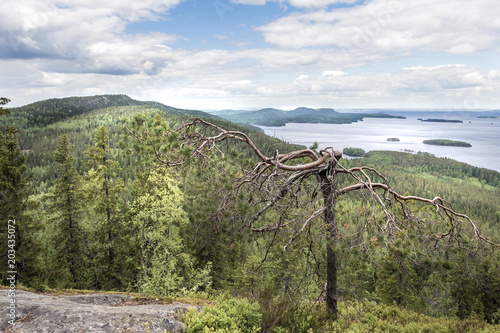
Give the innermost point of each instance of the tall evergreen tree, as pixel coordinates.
(66, 204)
(102, 193)
(14, 192)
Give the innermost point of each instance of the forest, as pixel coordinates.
(113, 194)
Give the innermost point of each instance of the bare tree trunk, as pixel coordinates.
(168, 257)
(328, 188)
(146, 262)
(143, 243)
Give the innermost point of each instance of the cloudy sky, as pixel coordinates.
(217, 54)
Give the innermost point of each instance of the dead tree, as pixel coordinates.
(199, 138)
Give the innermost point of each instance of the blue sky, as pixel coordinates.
(247, 54)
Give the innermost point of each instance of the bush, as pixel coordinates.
(237, 315)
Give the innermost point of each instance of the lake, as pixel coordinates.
(372, 133)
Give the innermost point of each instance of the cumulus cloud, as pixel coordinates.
(455, 26)
(454, 85)
(83, 32)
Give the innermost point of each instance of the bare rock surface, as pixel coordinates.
(89, 313)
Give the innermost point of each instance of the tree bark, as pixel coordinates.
(328, 183)
(143, 242)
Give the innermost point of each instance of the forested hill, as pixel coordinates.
(43, 122)
(276, 117)
(46, 112)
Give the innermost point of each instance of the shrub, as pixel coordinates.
(237, 315)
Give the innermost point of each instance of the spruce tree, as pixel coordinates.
(103, 188)
(14, 193)
(66, 204)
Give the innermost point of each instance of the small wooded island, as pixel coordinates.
(442, 120)
(354, 152)
(445, 142)
(393, 139)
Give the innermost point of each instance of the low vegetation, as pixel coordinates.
(240, 315)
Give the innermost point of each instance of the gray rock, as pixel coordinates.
(86, 313)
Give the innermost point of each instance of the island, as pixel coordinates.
(393, 139)
(355, 152)
(446, 142)
(442, 120)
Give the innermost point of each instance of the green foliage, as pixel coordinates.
(14, 194)
(165, 267)
(4, 101)
(370, 317)
(283, 314)
(396, 280)
(66, 235)
(286, 315)
(227, 315)
(105, 214)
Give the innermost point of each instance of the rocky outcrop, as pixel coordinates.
(109, 313)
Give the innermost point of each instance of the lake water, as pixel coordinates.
(372, 133)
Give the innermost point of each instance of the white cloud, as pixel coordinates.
(67, 29)
(451, 85)
(249, 2)
(333, 73)
(317, 3)
(296, 3)
(454, 26)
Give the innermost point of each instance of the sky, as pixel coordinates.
(251, 54)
